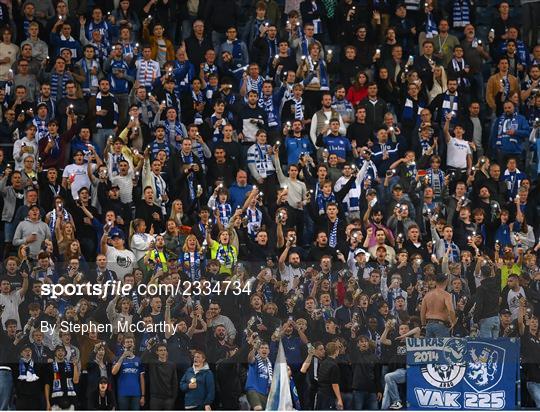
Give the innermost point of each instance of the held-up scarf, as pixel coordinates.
(226, 256)
(26, 371)
(506, 85)
(319, 68)
(436, 181)
(98, 108)
(431, 26)
(53, 217)
(190, 262)
(267, 104)
(332, 239)
(172, 132)
(461, 13)
(454, 256)
(187, 160)
(408, 110)
(506, 124)
(254, 221)
(225, 213)
(298, 109)
(459, 67)
(254, 84)
(448, 106)
(57, 390)
(91, 83)
(322, 201)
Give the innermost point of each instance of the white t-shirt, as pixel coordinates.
(457, 151)
(81, 177)
(120, 261)
(513, 301)
(11, 304)
(125, 183)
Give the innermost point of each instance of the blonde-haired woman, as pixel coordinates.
(191, 260)
(178, 215)
(439, 83)
(65, 234)
(140, 241)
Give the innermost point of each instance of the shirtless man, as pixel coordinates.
(437, 313)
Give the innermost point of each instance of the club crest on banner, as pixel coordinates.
(485, 365)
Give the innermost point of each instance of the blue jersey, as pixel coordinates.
(129, 377)
(295, 147)
(259, 375)
(338, 145)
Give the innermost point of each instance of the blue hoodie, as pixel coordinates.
(511, 144)
(204, 393)
(237, 195)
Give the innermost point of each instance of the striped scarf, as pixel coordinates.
(191, 177)
(190, 262)
(408, 110)
(57, 390)
(26, 371)
(447, 106)
(58, 83)
(459, 67)
(319, 67)
(330, 6)
(225, 213)
(254, 85)
(298, 109)
(217, 124)
(264, 367)
(436, 181)
(461, 13)
(172, 131)
(454, 255)
(91, 83)
(254, 221)
(99, 118)
(332, 238)
(41, 126)
(267, 104)
(323, 200)
(226, 256)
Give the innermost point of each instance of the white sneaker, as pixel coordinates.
(396, 405)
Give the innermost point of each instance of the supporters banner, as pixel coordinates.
(462, 373)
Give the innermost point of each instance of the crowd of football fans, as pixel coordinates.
(302, 172)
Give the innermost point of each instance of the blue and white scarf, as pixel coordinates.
(191, 177)
(323, 200)
(91, 83)
(408, 110)
(171, 133)
(191, 263)
(298, 109)
(459, 68)
(431, 26)
(333, 236)
(454, 255)
(254, 84)
(225, 213)
(319, 68)
(58, 83)
(461, 13)
(504, 125)
(53, 217)
(436, 181)
(226, 256)
(99, 118)
(267, 104)
(254, 221)
(447, 106)
(26, 371)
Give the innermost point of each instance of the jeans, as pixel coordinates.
(437, 330)
(534, 391)
(100, 138)
(391, 390)
(6, 387)
(347, 398)
(9, 231)
(365, 401)
(128, 403)
(489, 327)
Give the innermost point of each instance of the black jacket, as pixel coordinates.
(487, 298)
(366, 372)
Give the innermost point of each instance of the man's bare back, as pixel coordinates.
(436, 307)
